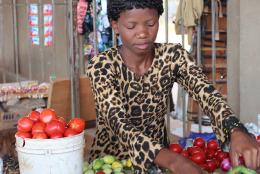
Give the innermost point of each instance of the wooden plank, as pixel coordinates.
(60, 100)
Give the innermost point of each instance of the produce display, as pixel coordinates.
(26, 89)
(108, 165)
(47, 124)
(208, 155)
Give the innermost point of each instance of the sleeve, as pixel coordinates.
(191, 77)
(110, 109)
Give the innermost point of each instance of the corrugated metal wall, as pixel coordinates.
(27, 60)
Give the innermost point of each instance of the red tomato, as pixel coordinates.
(199, 142)
(77, 124)
(56, 135)
(23, 134)
(175, 148)
(40, 136)
(47, 115)
(34, 116)
(211, 165)
(38, 127)
(222, 155)
(198, 158)
(212, 144)
(241, 160)
(62, 120)
(210, 153)
(100, 172)
(217, 152)
(69, 132)
(54, 127)
(194, 149)
(24, 124)
(185, 153)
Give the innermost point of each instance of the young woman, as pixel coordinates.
(131, 84)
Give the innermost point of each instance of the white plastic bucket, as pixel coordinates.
(51, 156)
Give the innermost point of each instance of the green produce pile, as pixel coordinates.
(241, 170)
(108, 165)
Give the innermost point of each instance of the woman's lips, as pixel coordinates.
(142, 46)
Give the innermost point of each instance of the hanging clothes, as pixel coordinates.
(188, 12)
(82, 7)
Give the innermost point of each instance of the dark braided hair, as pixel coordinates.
(115, 7)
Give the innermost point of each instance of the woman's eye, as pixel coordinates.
(151, 24)
(130, 27)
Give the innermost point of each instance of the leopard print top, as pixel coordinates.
(131, 108)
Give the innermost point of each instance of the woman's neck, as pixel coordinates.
(138, 63)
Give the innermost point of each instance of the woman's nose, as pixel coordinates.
(141, 36)
(142, 33)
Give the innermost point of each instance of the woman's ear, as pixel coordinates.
(114, 25)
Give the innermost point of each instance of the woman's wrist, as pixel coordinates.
(167, 159)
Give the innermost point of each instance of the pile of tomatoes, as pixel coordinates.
(46, 124)
(208, 155)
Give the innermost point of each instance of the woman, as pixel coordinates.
(131, 84)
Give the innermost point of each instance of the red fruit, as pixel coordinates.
(69, 132)
(100, 172)
(40, 136)
(56, 135)
(198, 158)
(77, 124)
(62, 120)
(210, 153)
(241, 160)
(38, 127)
(23, 134)
(47, 115)
(54, 127)
(34, 116)
(222, 155)
(212, 144)
(175, 148)
(194, 150)
(185, 153)
(211, 165)
(24, 124)
(199, 142)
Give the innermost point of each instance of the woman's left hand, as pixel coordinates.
(244, 145)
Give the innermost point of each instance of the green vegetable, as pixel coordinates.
(89, 172)
(106, 166)
(97, 164)
(123, 162)
(116, 164)
(242, 170)
(119, 169)
(107, 171)
(109, 159)
(119, 173)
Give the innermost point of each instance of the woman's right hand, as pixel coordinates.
(182, 165)
(176, 163)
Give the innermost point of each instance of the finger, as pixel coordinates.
(258, 157)
(234, 159)
(248, 159)
(254, 158)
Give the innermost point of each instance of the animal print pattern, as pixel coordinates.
(131, 108)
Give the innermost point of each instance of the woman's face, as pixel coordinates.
(138, 29)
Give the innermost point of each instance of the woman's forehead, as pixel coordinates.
(137, 14)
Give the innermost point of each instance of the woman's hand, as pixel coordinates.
(176, 163)
(244, 145)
